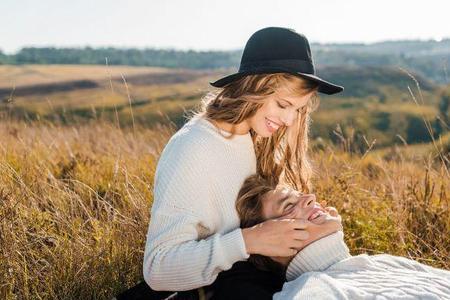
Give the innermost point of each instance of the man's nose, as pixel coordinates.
(308, 200)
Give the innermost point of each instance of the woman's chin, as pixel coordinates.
(264, 133)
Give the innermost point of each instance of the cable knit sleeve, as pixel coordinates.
(176, 256)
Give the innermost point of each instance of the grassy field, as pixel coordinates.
(75, 94)
(75, 201)
(76, 179)
(79, 93)
(25, 75)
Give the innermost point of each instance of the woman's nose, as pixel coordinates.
(308, 200)
(289, 117)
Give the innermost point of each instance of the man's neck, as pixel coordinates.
(282, 260)
(318, 256)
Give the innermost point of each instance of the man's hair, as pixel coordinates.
(249, 209)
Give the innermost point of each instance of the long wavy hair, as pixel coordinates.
(283, 155)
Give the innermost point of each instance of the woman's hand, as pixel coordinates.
(285, 237)
(332, 224)
(276, 237)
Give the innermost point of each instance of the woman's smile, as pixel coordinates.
(272, 126)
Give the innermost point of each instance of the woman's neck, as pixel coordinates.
(240, 129)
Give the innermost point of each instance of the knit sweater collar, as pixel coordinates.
(219, 131)
(318, 256)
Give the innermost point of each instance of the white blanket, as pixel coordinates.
(326, 270)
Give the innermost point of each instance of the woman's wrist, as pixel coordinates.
(247, 234)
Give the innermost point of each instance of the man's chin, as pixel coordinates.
(322, 219)
(319, 220)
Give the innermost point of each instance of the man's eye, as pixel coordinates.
(289, 206)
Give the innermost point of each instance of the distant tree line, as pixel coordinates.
(427, 58)
(133, 57)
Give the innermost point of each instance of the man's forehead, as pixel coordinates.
(280, 191)
(284, 188)
(277, 192)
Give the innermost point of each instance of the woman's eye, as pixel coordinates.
(280, 106)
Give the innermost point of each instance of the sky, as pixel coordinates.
(213, 24)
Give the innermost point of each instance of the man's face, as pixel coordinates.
(289, 203)
(284, 202)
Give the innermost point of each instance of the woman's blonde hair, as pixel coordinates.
(282, 156)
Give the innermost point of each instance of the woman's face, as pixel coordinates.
(289, 203)
(279, 109)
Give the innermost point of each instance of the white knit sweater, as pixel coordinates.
(326, 270)
(194, 228)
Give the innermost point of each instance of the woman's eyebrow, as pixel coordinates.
(290, 103)
(287, 101)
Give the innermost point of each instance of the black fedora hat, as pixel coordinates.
(278, 50)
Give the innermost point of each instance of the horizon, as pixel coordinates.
(211, 26)
(445, 39)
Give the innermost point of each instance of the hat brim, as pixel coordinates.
(324, 86)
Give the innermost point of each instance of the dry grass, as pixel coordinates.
(74, 207)
(23, 75)
(74, 204)
(397, 206)
(149, 90)
(75, 201)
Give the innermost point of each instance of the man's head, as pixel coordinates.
(260, 199)
(289, 203)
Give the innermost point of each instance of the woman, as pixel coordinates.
(325, 269)
(258, 122)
